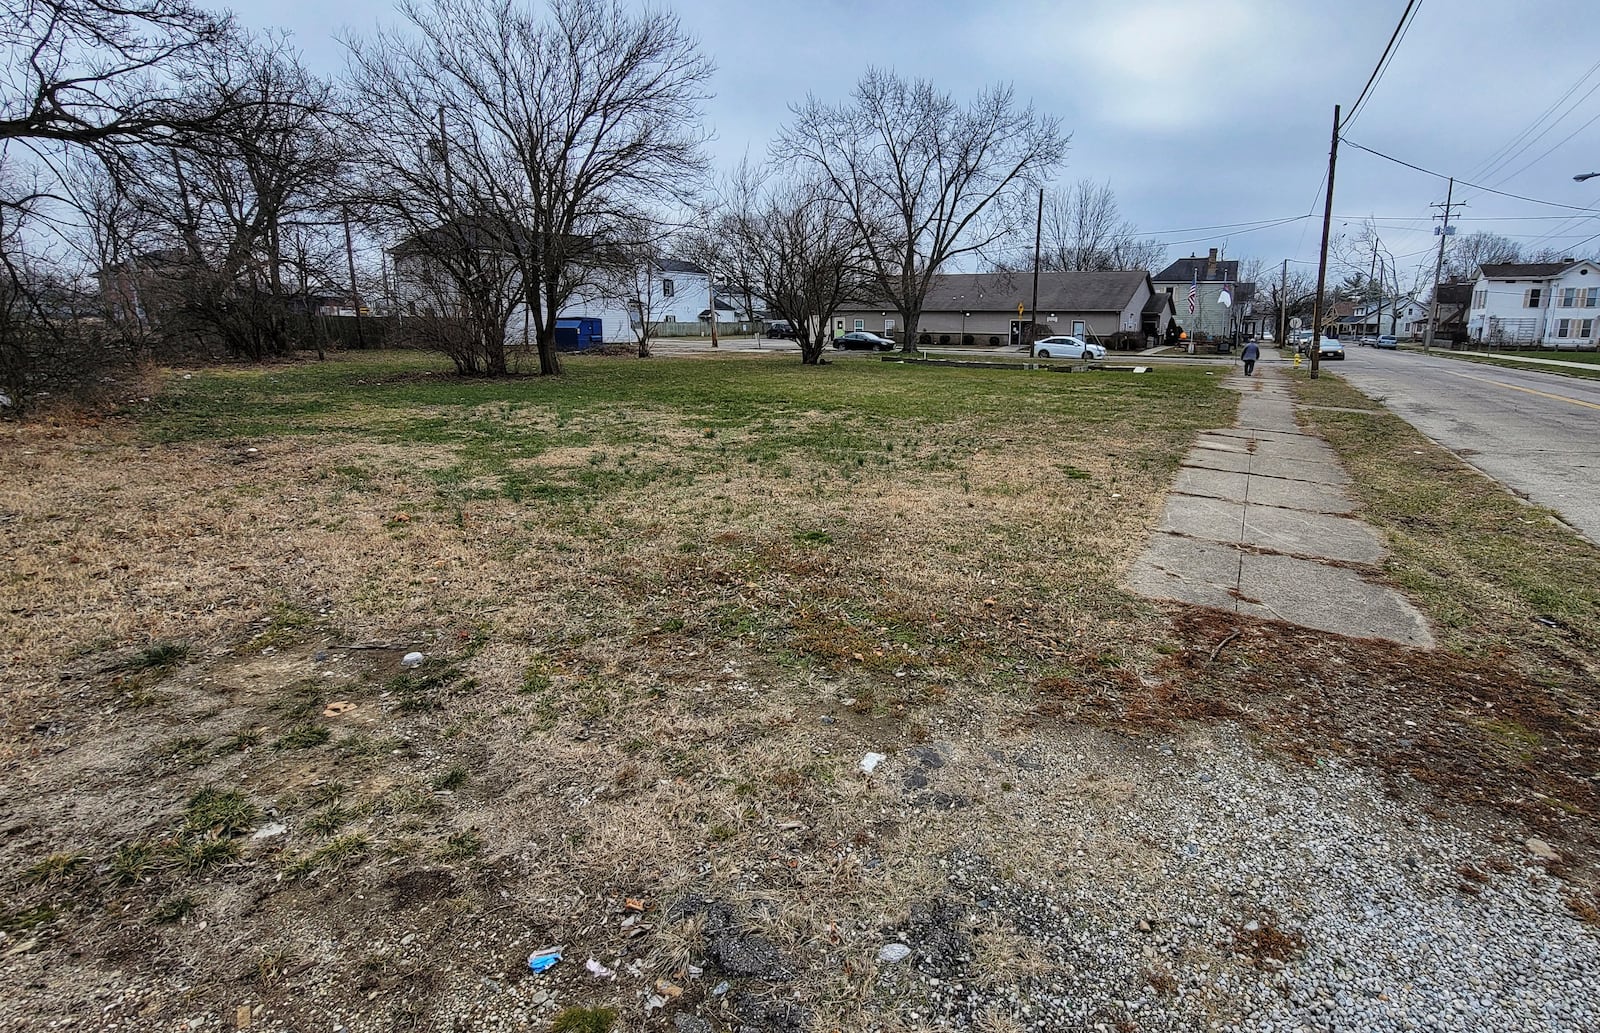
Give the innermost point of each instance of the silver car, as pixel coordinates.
(1066, 348)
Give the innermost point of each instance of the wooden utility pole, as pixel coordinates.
(1033, 316)
(712, 288)
(355, 294)
(1322, 261)
(1438, 267)
(1283, 305)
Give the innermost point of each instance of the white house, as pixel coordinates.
(671, 294)
(1553, 304)
(1390, 316)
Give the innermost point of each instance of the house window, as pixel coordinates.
(666, 288)
(1530, 298)
(1569, 297)
(1564, 327)
(1585, 328)
(1480, 298)
(1590, 296)
(861, 324)
(670, 319)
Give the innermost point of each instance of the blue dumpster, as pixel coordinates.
(576, 335)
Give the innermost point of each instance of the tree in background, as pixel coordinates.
(794, 243)
(924, 179)
(1466, 252)
(1084, 231)
(558, 134)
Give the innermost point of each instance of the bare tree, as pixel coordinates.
(1084, 230)
(924, 180)
(269, 166)
(1464, 254)
(103, 71)
(794, 244)
(558, 132)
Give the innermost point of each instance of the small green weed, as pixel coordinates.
(208, 851)
(239, 741)
(132, 862)
(461, 846)
(584, 1020)
(814, 537)
(159, 657)
(303, 736)
(453, 779)
(173, 909)
(327, 821)
(57, 868)
(335, 855)
(220, 813)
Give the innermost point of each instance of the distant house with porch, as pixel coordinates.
(984, 307)
(1224, 307)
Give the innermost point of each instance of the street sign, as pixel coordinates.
(1294, 323)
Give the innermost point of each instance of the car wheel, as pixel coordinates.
(1042, 354)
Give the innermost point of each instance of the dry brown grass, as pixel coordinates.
(635, 621)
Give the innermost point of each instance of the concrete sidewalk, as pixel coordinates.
(1259, 523)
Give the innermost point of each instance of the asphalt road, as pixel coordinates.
(1536, 433)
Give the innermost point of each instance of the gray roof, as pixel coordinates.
(678, 265)
(1058, 291)
(1524, 270)
(1187, 270)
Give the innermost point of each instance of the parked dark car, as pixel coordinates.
(860, 340)
(781, 330)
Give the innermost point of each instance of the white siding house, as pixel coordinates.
(1553, 304)
(671, 293)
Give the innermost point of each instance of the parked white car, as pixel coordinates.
(1066, 348)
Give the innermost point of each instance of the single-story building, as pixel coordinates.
(994, 308)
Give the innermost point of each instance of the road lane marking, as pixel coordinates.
(1528, 390)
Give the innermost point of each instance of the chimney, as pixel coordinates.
(1211, 265)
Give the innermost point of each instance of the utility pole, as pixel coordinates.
(1033, 316)
(1283, 305)
(1438, 265)
(1322, 262)
(712, 288)
(444, 158)
(355, 294)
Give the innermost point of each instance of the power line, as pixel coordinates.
(1502, 154)
(1475, 186)
(1400, 30)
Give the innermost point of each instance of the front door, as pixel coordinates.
(1078, 327)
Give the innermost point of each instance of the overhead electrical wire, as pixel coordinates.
(1503, 153)
(1401, 28)
(1462, 182)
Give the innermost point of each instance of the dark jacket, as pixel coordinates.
(1250, 351)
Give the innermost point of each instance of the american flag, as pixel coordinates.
(1194, 290)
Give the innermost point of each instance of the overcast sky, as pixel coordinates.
(1199, 115)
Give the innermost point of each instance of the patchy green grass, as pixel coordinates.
(303, 736)
(220, 813)
(1491, 571)
(160, 656)
(584, 1020)
(338, 854)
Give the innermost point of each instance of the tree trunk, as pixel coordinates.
(644, 346)
(909, 320)
(811, 351)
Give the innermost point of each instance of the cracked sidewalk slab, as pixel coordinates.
(1258, 524)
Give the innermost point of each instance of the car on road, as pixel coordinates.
(781, 330)
(1330, 348)
(1370, 339)
(860, 340)
(1066, 348)
(1299, 339)
(1387, 341)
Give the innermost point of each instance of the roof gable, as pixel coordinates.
(1193, 268)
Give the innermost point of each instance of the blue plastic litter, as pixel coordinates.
(540, 960)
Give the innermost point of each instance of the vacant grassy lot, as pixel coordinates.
(665, 609)
(639, 590)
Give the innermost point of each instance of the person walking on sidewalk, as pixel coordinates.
(1250, 354)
